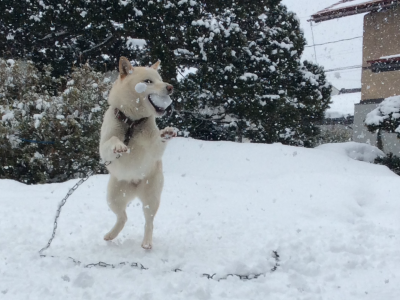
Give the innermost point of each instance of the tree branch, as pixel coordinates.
(53, 35)
(98, 45)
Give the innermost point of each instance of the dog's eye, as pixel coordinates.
(148, 81)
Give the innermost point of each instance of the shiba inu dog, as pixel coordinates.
(129, 133)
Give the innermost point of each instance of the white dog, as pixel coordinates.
(129, 133)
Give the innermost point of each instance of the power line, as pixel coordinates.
(344, 68)
(357, 37)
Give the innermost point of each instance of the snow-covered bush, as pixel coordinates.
(49, 127)
(386, 116)
(391, 161)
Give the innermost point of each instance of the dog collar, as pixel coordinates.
(123, 118)
(131, 124)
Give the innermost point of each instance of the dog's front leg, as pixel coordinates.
(112, 148)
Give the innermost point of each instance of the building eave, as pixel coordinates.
(369, 6)
(384, 60)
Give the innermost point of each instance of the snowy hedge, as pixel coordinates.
(386, 116)
(49, 127)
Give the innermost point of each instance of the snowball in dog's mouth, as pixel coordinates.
(160, 103)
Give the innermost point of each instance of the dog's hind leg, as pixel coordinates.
(119, 193)
(150, 195)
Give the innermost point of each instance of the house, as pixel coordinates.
(335, 91)
(380, 62)
(349, 91)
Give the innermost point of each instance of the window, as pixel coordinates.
(385, 64)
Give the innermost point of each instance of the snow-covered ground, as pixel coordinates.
(343, 105)
(333, 220)
(335, 55)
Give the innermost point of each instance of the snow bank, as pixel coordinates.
(357, 151)
(333, 220)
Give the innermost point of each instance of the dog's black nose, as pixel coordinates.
(170, 89)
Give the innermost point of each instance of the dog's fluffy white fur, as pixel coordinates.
(138, 170)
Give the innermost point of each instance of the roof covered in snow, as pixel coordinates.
(342, 105)
(352, 7)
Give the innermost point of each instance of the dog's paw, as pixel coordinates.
(147, 246)
(120, 148)
(110, 236)
(168, 133)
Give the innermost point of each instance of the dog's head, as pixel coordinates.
(140, 91)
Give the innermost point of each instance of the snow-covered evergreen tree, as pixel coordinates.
(250, 81)
(77, 31)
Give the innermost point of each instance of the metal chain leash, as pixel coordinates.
(275, 254)
(107, 265)
(64, 200)
(214, 276)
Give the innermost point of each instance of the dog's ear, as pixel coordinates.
(156, 65)
(125, 67)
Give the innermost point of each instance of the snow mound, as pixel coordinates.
(357, 151)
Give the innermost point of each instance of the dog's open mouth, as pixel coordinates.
(160, 103)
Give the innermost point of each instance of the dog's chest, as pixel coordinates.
(145, 149)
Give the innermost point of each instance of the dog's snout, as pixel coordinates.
(170, 88)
